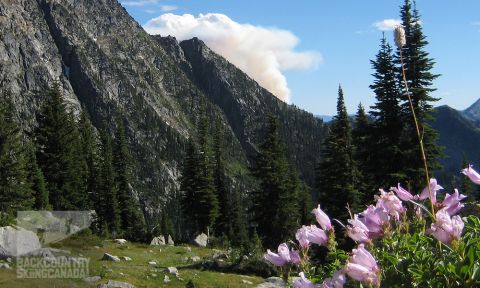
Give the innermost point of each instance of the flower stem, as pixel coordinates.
(420, 138)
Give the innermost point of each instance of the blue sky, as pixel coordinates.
(336, 41)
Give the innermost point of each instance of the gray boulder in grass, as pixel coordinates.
(17, 242)
(158, 241)
(201, 240)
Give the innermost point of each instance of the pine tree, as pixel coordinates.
(273, 198)
(223, 194)
(58, 153)
(362, 143)
(107, 208)
(131, 216)
(90, 152)
(337, 175)
(15, 189)
(305, 204)
(387, 121)
(420, 79)
(188, 185)
(206, 197)
(36, 179)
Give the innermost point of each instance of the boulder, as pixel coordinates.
(273, 282)
(109, 257)
(116, 284)
(17, 242)
(172, 270)
(201, 240)
(92, 279)
(4, 266)
(247, 282)
(170, 241)
(126, 258)
(195, 259)
(158, 241)
(166, 279)
(152, 263)
(120, 241)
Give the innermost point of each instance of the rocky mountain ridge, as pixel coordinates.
(107, 63)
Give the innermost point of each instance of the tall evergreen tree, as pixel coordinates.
(131, 216)
(58, 153)
(36, 179)
(362, 141)
(271, 198)
(90, 152)
(305, 203)
(337, 174)
(206, 196)
(15, 189)
(420, 79)
(188, 185)
(107, 208)
(224, 201)
(387, 121)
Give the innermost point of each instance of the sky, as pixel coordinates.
(302, 51)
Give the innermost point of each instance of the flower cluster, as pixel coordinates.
(371, 224)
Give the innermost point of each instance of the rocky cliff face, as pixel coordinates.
(109, 64)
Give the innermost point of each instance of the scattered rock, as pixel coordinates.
(42, 252)
(247, 282)
(170, 241)
(201, 240)
(172, 270)
(166, 279)
(152, 263)
(96, 247)
(92, 279)
(15, 242)
(126, 258)
(158, 241)
(220, 255)
(9, 260)
(272, 282)
(195, 259)
(188, 249)
(116, 284)
(4, 266)
(153, 275)
(244, 258)
(109, 257)
(120, 241)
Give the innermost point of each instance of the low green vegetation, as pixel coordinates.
(137, 272)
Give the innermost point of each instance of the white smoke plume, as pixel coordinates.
(262, 53)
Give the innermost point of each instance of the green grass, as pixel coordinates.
(137, 271)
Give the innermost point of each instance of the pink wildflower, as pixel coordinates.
(472, 174)
(322, 218)
(452, 203)
(403, 194)
(434, 187)
(446, 228)
(357, 230)
(303, 282)
(362, 267)
(391, 203)
(337, 281)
